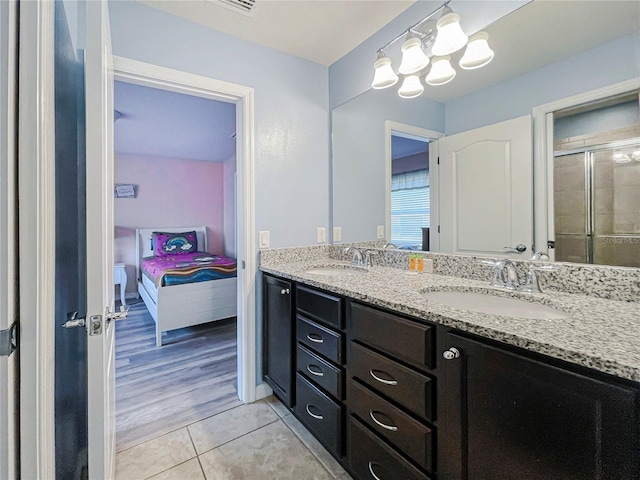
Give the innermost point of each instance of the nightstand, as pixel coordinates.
(120, 278)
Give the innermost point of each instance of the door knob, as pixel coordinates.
(452, 353)
(519, 248)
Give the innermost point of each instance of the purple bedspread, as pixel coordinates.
(187, 268)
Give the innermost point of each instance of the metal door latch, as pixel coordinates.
(9, 340)
(115, 316)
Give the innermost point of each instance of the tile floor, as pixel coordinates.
(261, 440)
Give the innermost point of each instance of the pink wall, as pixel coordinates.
(171, 193)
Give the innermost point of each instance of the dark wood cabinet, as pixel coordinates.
(375, 389)
(507, 415)
(278, 337)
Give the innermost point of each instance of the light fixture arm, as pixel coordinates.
(412, 30)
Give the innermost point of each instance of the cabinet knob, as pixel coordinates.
(452, 353)
(284, 291)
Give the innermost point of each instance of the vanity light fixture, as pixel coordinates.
(431, 42)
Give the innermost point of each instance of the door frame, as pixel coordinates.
(146, 74)
(412, 131)
(36, 225)
(543, 227)
(9, 375)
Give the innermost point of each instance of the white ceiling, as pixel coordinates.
(318, 30)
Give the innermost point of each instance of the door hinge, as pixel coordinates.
(551, 244)
(438, 228)
(243, 265)
(438, 160)
(9, 340)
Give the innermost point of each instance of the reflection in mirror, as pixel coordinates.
(410, 202)
(596, 183)
(529, 70)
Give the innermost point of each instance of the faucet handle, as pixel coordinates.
(367, 257)
(532, 284)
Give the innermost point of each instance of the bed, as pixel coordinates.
(210, 292)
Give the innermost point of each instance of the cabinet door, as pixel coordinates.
(506, 416)
(278, 337)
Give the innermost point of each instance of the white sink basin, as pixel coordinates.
(494, 305)
(337, 271)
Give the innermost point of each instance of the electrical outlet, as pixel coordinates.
(380, 232)
(337, 234)
(264, 239)
(322, 235)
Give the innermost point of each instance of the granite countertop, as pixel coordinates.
(597, 333)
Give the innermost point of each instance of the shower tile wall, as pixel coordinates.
(570, 208)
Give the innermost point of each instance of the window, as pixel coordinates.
(410, 207)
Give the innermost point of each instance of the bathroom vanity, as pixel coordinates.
(398, 387)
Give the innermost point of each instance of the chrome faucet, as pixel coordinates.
(357, 255)
(367, 257)
(510, 275)
(389, 245)
(538, 256)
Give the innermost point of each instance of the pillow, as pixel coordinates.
(164, 243)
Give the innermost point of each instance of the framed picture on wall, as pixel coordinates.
(125, 190)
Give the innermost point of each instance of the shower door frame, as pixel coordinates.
(543, 156)
(590, 200)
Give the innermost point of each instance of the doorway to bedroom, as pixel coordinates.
(176, 355)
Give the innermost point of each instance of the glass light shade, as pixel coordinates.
(413, 58)
(620, 157)
(441, 71)
(450, 36)
(478, 53)
(384, 75)
(411, 87)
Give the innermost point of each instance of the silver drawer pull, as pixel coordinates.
(315, 338)
(383, 425)
(372, 472)
(382, 380)
(317, 374)
(317, 417)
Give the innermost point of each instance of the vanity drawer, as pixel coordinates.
(370, 458)
(414, 391)
(320, 339)
(408, 340)
(320, 414)
(410, 436)
(319, 306)
(319, 371)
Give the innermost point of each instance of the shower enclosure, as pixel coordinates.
(597, 204)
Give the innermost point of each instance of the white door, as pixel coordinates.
(99, 205)
(485, 190)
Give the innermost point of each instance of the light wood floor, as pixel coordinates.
(160, 389)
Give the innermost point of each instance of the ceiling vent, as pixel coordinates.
(241, 6)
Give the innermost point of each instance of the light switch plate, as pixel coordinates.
(263, 237)
(337, 234)
(380, 232)
(322, 235)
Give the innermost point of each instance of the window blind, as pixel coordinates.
(410, 207)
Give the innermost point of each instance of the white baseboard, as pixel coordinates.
(131, 295)
(263, 390)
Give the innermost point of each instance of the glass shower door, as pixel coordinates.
(616, 206)
(597, 205)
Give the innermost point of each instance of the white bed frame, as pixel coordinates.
(179, 306)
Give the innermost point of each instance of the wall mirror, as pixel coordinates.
(526, 43)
